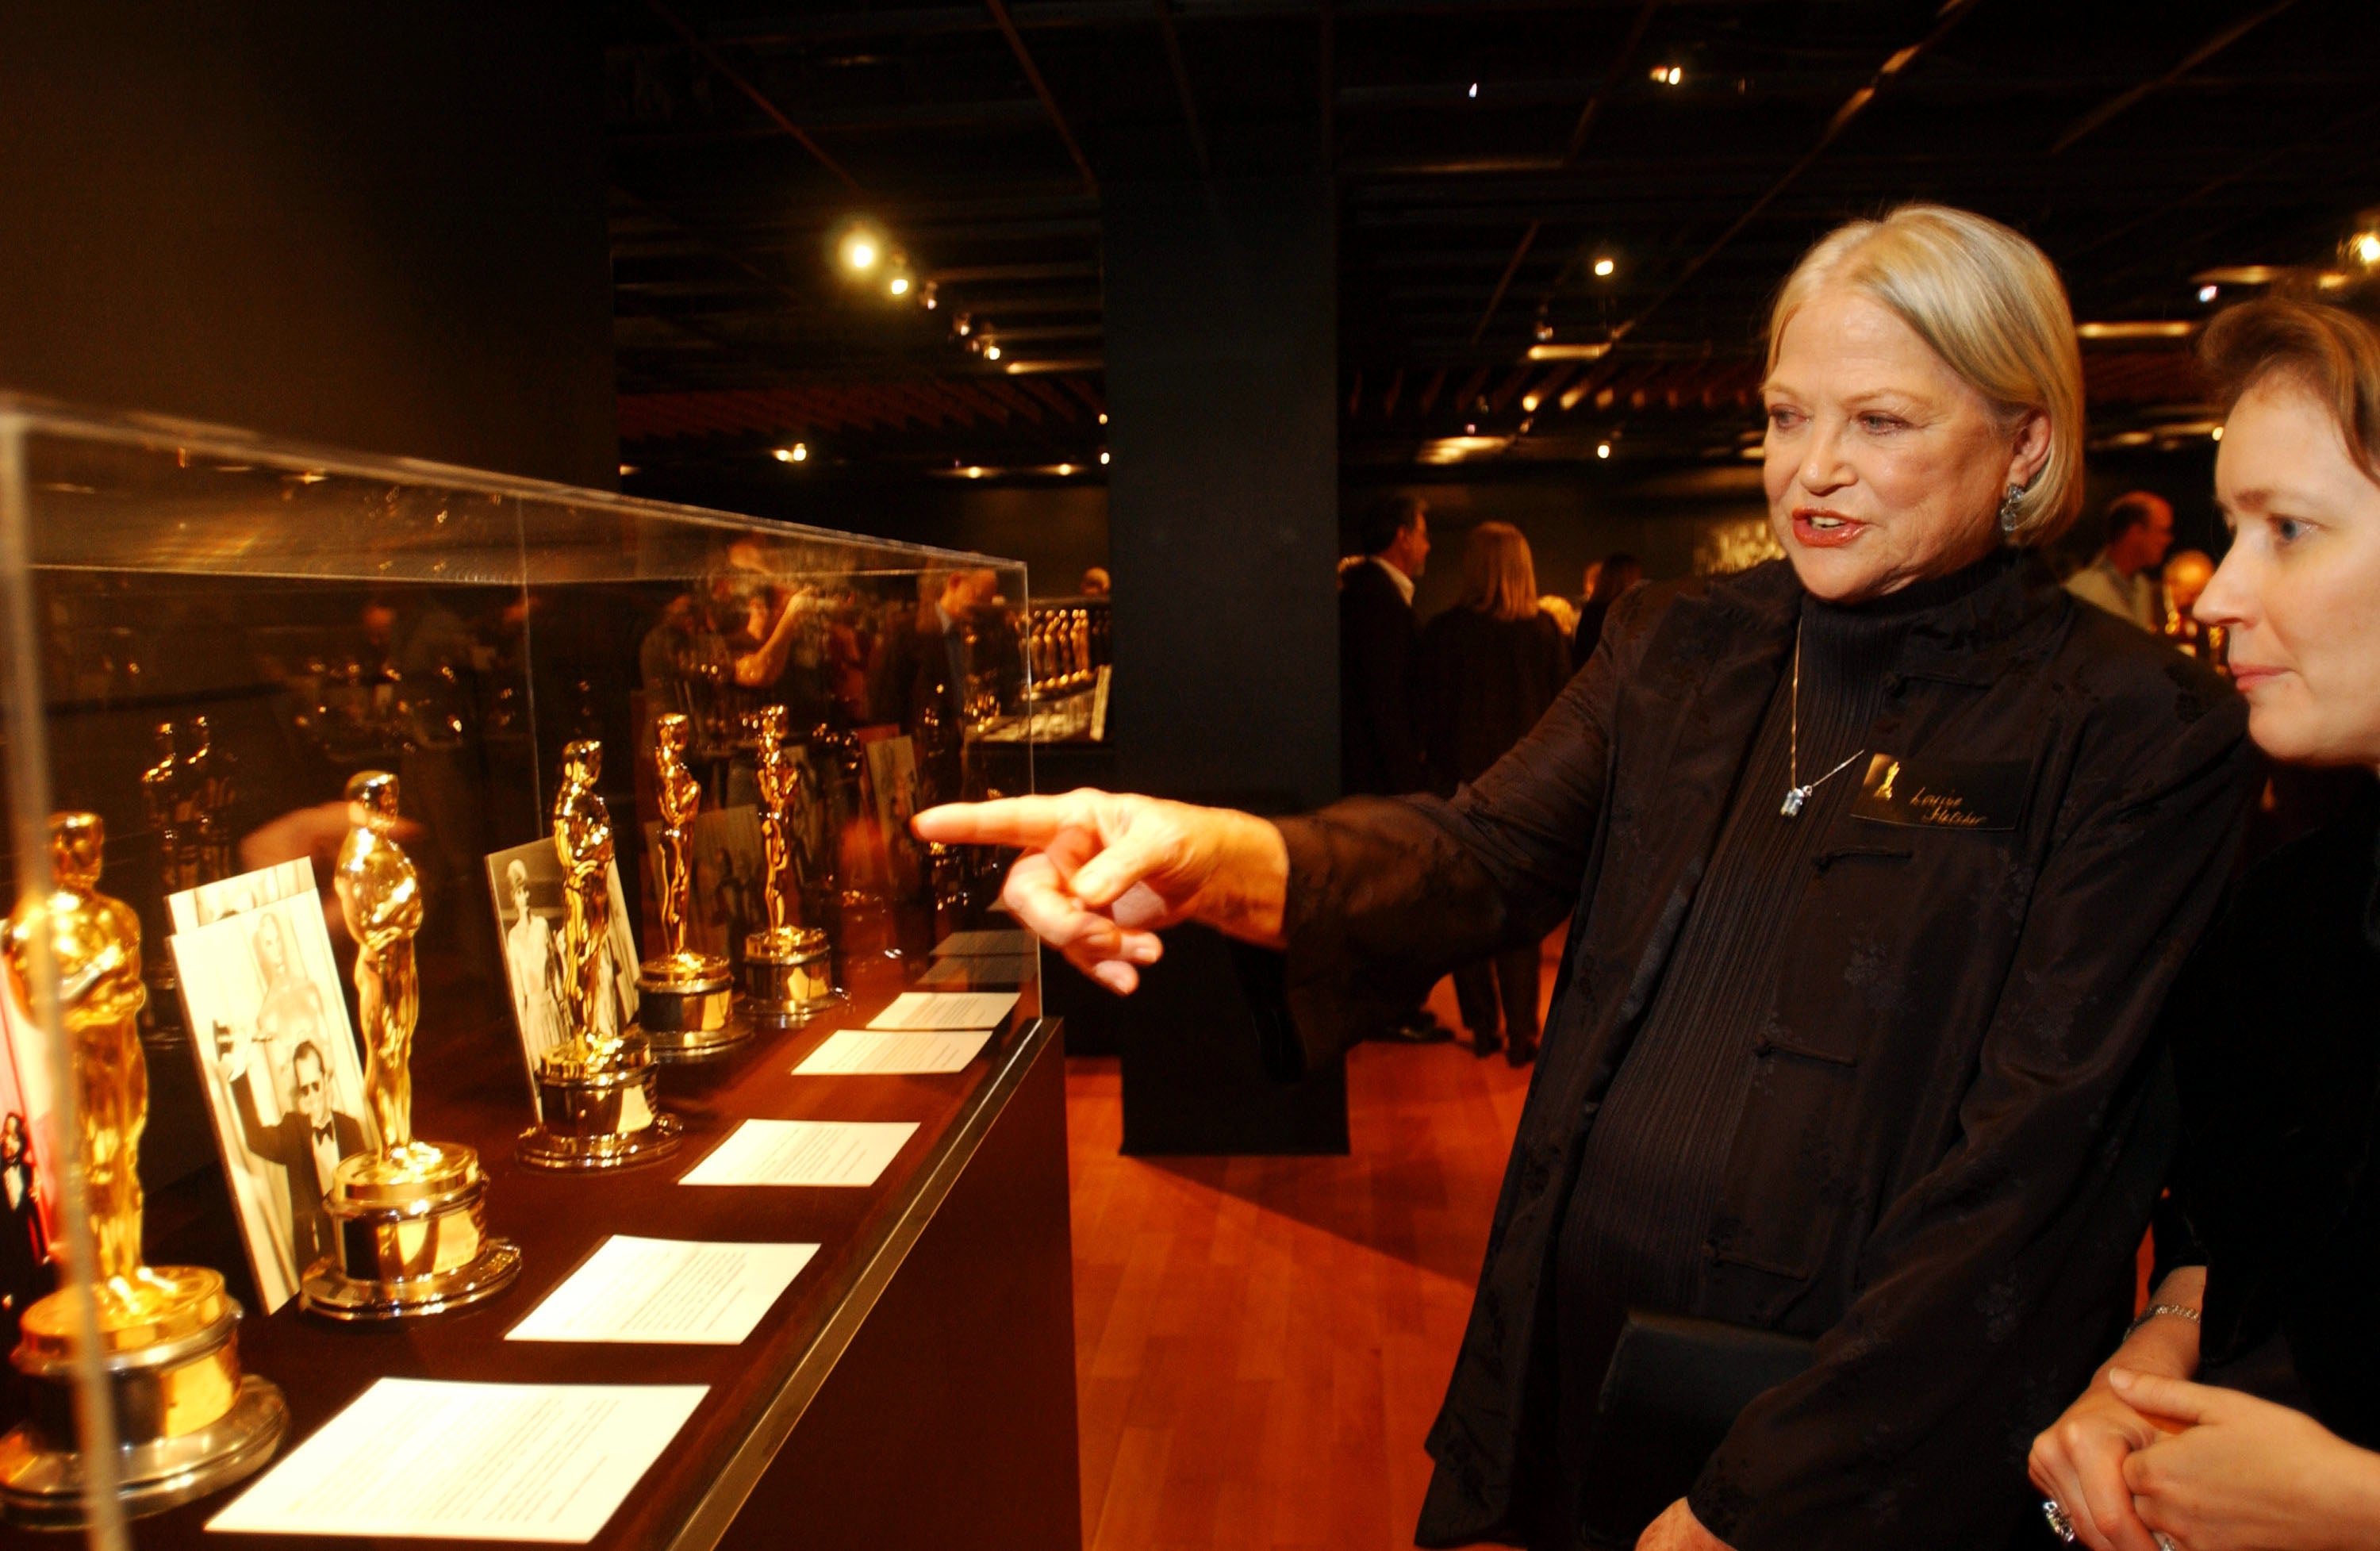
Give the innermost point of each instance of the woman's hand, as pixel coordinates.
(2246, 1474)
(1678, 1530)
(1102, 872)
(2079, 1463)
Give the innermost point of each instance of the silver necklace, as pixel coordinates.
(1797, 794)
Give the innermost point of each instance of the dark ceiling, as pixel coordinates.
(1485, 155)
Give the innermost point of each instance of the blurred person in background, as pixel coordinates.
(2269, 1241)
(1609, 580)
(1379, 731)
(1490, 667)
(2140, 529)
(2186, 573)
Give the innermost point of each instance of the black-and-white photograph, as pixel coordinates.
(728, 899)
(527, 882)
(277, 1058)
(210, 902)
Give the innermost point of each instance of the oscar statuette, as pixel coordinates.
(187, 1420)
(411, 1219)
(788, 970)
(595, 1091)
(682, 997)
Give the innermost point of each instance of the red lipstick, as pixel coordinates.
(1815, 526)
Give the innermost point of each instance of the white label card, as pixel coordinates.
(667, 1290)
(546, 1462)
(946, 1010)
(854, 1052)
(803, 1153)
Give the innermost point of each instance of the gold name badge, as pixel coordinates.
(1982, 794)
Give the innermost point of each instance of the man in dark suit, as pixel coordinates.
(308, 1142)
(1379, 736)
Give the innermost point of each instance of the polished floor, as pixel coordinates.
(1261, 1343)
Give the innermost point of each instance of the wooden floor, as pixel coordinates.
(1261, 1343)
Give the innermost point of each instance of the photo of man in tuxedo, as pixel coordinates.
(308, 1142)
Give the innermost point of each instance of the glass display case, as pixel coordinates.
(524, 841)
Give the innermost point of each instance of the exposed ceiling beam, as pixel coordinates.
(760, 99)
(1948, 17)
(2190, 61)
(1182, 85)
(1042, 90)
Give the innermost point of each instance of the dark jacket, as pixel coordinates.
(2275, 1037)
(1938, 1171)
(1484, 682)
(289, 1142)
(1380, 744)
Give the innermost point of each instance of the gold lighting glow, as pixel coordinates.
(1603, 268)
(798, 452)
(899, 285)
(1569, 352)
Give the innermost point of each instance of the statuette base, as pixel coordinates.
(598, 1116)
(685, 1003)
(788, 977)
(412, 1235)
(189, 1421)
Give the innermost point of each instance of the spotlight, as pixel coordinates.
(1667, 75)
(926, 298)
(2365, 245)
(2216, 434)
(1603, 268)
(899, 285)
(1473, 93)
(1103, 459)
(963, 325)
(1529, 403)
(1544, 331)
(2207, 293)
(798, 452)
(1103, 417)
(861, 251)
(1065, 468)
(1471, 431)
(992, 352)
(1603, 449)
(626, 469)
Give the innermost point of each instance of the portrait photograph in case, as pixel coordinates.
(277, 1060)
(526, 884)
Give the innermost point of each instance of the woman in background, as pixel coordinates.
(1490, 667)
(2273, 1226)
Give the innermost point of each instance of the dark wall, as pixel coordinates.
(375, 225)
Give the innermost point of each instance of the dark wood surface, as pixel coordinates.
(465, 1092)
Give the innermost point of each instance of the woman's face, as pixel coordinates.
(1883, 465)
(2298, 591)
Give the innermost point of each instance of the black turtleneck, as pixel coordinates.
(1649, 1176)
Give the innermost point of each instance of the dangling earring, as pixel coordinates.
(2008, 508)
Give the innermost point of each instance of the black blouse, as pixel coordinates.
(2276, 1039)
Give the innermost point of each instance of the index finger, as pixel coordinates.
(1017, 822)
(2155, 1395)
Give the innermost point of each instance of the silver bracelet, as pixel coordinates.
(2179, 1311)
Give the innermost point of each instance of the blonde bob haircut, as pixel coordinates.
(1499, 578)
(1990, 304)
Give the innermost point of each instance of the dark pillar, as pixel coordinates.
(1222, 377)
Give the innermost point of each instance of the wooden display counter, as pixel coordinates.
(913, 1387)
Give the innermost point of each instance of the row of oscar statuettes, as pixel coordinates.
(277, 1053)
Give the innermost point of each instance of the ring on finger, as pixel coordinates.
(2059, 1524)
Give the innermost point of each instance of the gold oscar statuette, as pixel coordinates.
(595, 1107)
(682, 998)
(188, 1420)
(411, 1218)
(788, 969)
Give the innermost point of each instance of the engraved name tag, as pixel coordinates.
(1943, 794)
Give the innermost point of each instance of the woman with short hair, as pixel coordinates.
(1879, 860)
(2273, 1231)
(1490, 667)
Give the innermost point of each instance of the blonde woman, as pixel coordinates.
(1836, 1156)
(1490, 667)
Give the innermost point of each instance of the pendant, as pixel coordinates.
(1794, 798)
